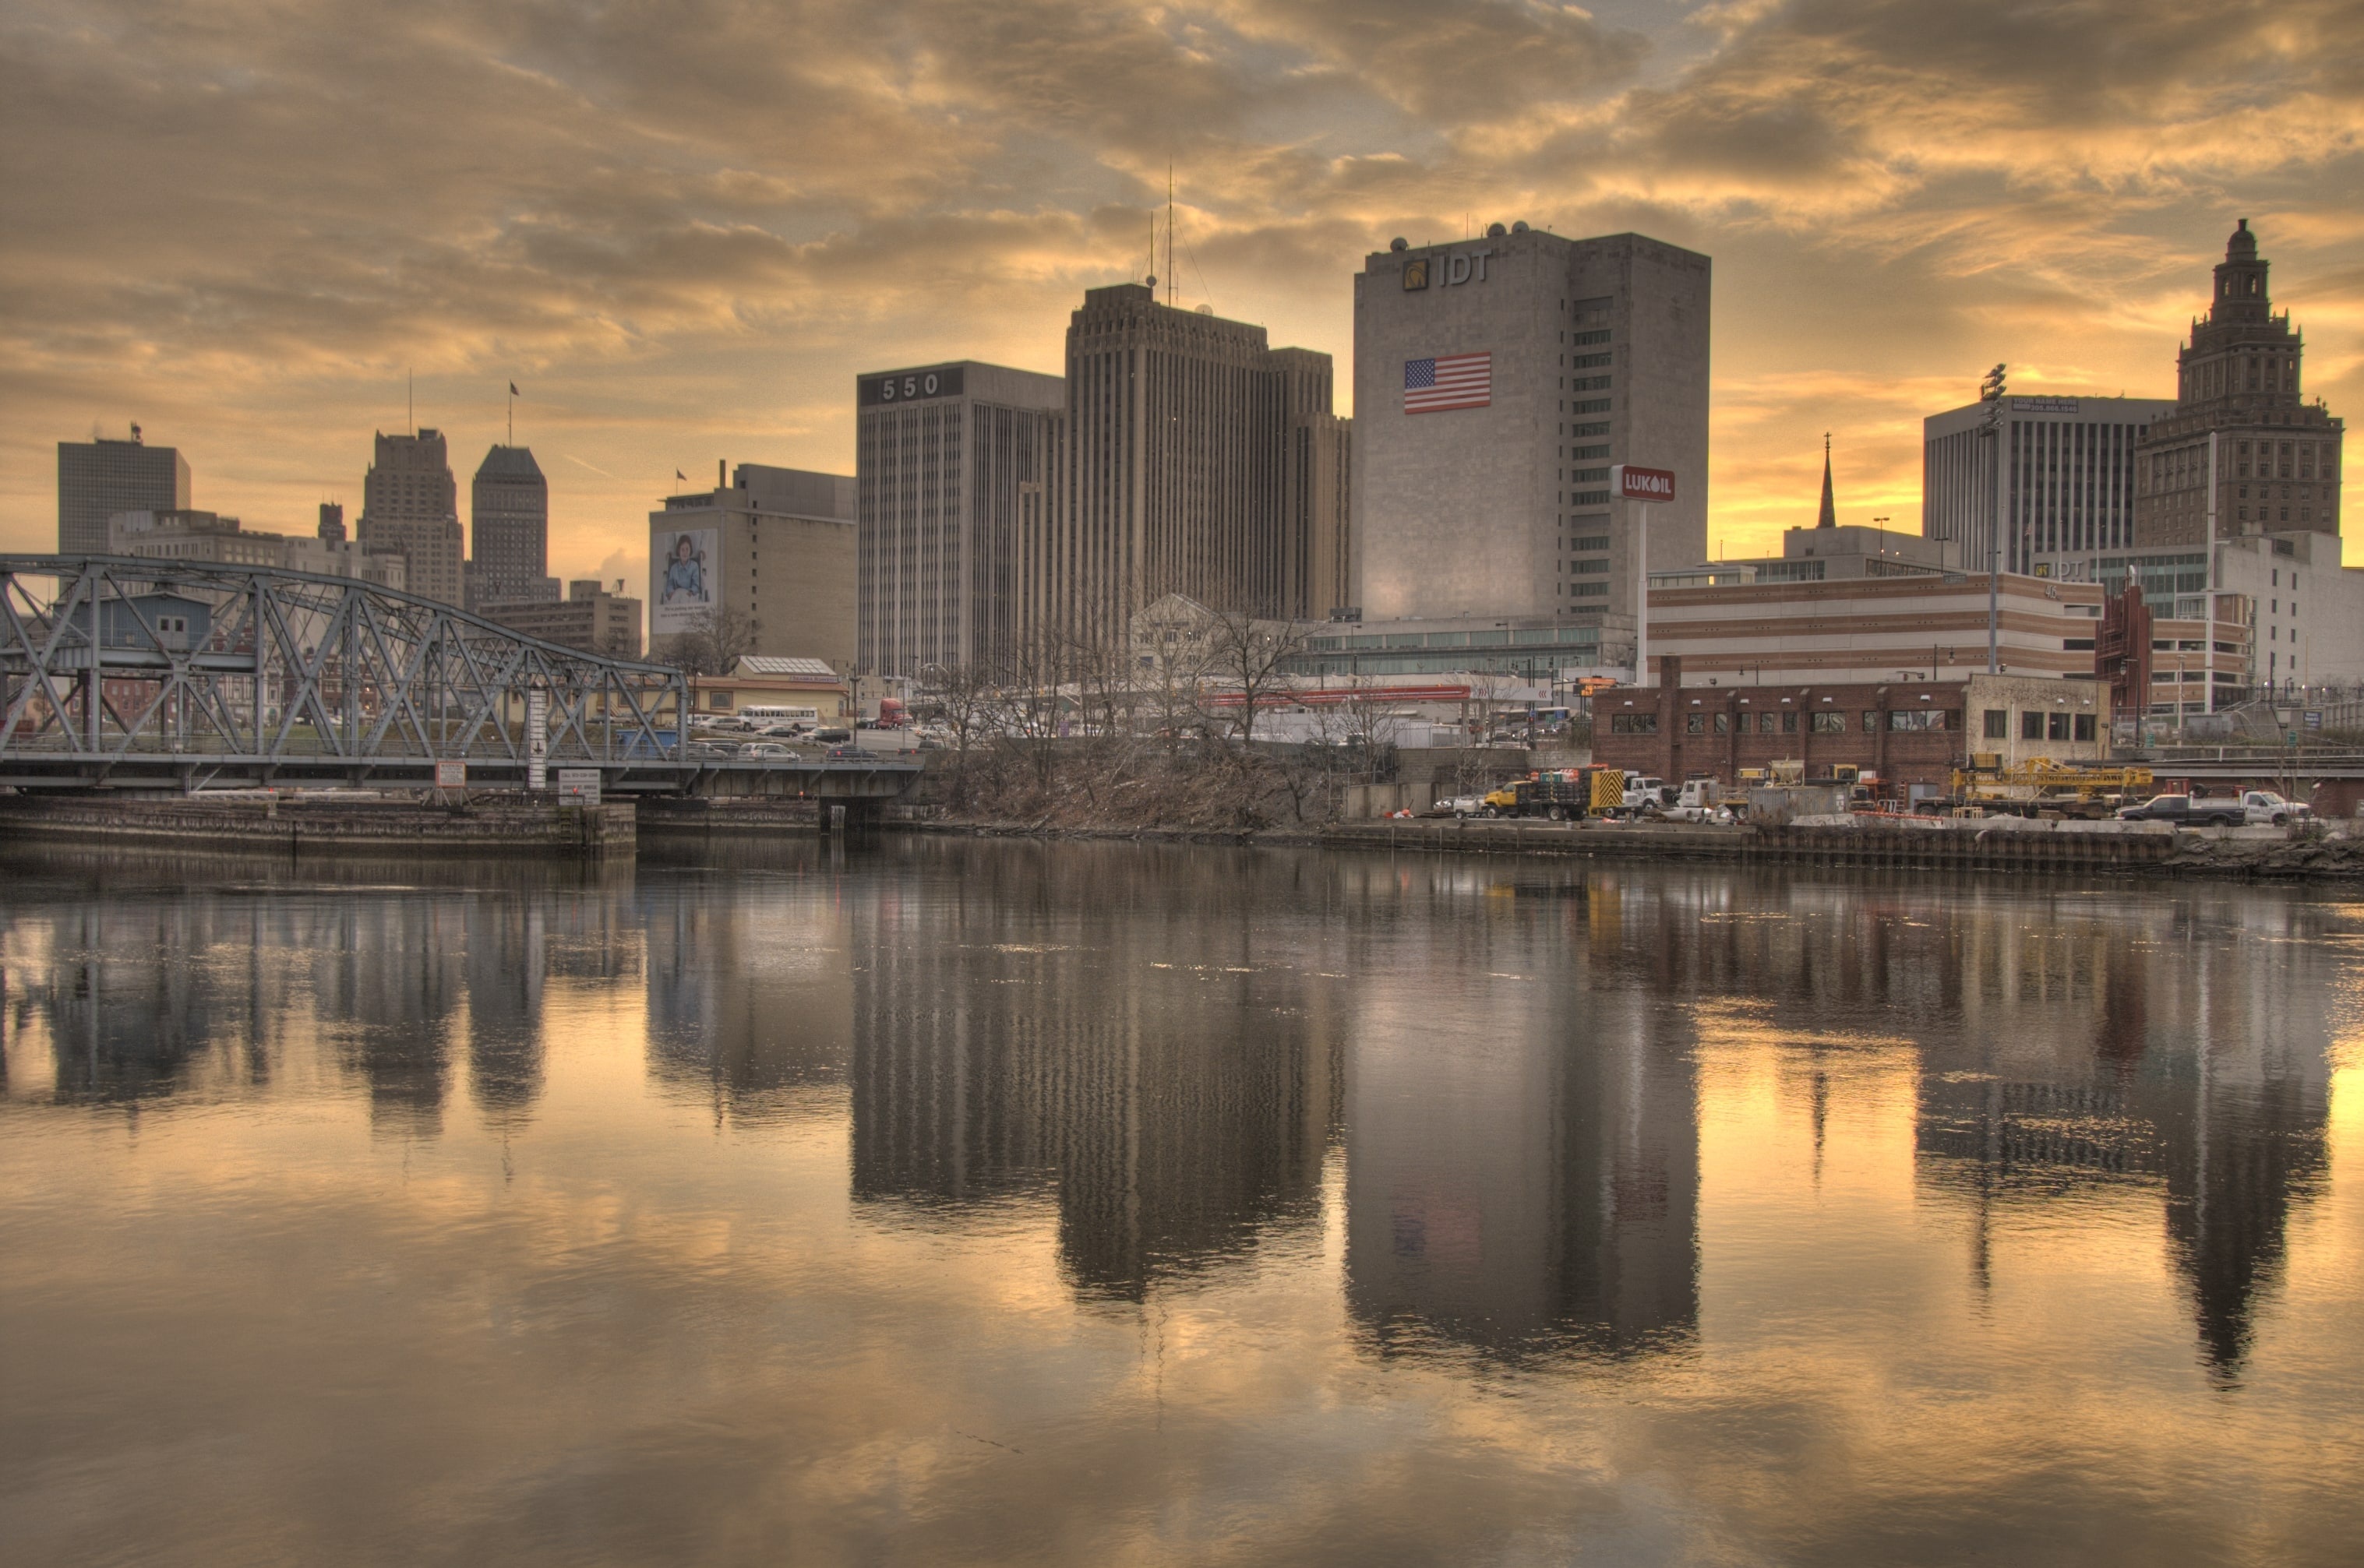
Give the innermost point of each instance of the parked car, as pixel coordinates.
(765, 751)
(832, 737)
(710, 750)
(1464, 806)
(2187, 811)
(2264, 808)
(846, 753)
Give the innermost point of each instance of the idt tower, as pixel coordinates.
(1497, 382)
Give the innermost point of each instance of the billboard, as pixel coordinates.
(685, 579)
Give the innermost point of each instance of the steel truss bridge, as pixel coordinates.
(122, 673)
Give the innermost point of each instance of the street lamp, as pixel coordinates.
(1991, 392)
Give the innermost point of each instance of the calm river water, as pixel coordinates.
(956, 1202)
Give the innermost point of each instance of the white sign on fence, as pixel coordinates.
(580, 785)
(537, 739)
(451, 776)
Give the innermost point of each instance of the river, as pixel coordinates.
(949, 1201)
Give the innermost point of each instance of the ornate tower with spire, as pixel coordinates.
(2243, 454)
(1829, 516)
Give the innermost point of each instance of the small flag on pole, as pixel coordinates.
(679, 477)
(514, 391)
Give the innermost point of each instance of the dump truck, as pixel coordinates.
(1561, 795)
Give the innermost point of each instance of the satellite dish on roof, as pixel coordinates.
(1205, 309)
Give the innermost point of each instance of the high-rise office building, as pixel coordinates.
(951, 463)
(409, 508)
(508, 525)
(2241, 453)
(100, 478)
(2060, 475)
(708, 566)
(1497, 382)
(1197, 459)
(332, 522)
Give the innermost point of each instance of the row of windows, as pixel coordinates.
(2038, 724)
(1822, 721)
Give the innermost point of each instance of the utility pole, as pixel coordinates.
(1991, 392)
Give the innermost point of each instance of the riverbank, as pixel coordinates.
(2000, 845)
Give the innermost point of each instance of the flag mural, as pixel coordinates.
(1448, 381)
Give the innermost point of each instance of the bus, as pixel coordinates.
(765, 716)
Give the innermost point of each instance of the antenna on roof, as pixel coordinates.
(1169, 231)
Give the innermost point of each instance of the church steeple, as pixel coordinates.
(1830, 514)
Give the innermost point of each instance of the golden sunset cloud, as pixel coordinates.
(683, 227)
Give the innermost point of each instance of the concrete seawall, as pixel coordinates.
(298, 826)
(1994, 845)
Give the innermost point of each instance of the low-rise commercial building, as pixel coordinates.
(589, 618)
(763, 680)
(1911, 731)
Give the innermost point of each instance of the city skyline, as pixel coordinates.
(678, 297)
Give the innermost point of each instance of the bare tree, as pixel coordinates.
(715, 642)
(1251, 656)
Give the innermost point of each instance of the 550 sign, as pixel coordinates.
(909, 386)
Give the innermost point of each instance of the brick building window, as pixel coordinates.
(1765, 723)
(2031, 726)
(1830, 722)
(1789, 722)
(1723, 724)
(2086, 725)
(1870, 721)
(1916, 718)
(1696, 724)
(2058, 727)
(1998, 724)
(1632, 723)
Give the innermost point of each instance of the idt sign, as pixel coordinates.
(1631, 484)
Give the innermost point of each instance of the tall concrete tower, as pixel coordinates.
(409, 508)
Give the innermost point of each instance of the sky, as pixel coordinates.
(683, 227)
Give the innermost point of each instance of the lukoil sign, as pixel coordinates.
(1628, 483)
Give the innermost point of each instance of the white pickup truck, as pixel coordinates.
(2264, 808)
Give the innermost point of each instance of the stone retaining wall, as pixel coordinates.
(298, 826)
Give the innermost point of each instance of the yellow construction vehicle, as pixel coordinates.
(2040, 785)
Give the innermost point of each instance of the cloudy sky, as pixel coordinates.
(683, 226)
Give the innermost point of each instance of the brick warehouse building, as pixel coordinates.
(1907, 732)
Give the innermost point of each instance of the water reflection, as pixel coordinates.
(1073, 1027)
(1071, 1202)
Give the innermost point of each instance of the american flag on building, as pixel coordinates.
(1448, 381)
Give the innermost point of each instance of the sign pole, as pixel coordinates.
(1640, 487)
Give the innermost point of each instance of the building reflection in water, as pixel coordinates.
(1522, 1149)
(204, 982)
(749, 990)
(2181, 1046)
(1102, 1029)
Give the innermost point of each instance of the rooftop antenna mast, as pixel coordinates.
(1169, 232)
(411, 399)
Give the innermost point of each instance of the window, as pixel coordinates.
(1723, 724)
(2056, 726)
(1632, 723)
(1764, 722)
(1696, 724)
(1870, 721)
(2031, 726)
(1909, 719)
(1830, 722)
(1998, 724)
(2086, 725)
(1789, 722)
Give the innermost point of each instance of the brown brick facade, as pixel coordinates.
(1676, 731)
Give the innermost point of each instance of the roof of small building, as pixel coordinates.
(776, 664)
